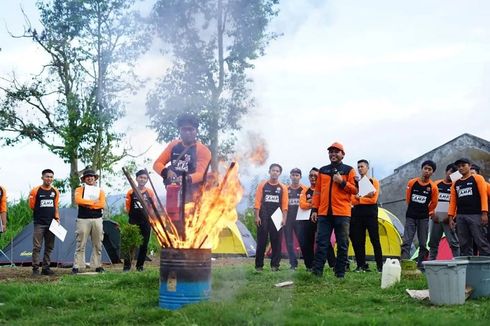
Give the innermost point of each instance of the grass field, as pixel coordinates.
(239, 297)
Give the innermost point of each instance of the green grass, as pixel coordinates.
(239, 297)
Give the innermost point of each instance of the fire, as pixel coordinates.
(259, 155)
(214, 208)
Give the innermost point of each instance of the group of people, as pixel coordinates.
(185, 160)
(332, 199)
(457, 209)
(335, 205)
(44, 202)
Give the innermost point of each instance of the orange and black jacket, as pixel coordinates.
(366, 206)
(421, 198)
(293, 199)
(3, 200)
(331, 198)
(88, 208)
(44, 203)
(304, 197)
(444, 190)
(468, 196)
(269, 197)
(134, 207)
(194, 161)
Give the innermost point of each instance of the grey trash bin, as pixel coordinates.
(446, 280)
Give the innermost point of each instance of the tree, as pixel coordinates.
(71, 106)
(213, 43)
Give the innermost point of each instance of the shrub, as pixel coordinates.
(131, 239)
(19, 215)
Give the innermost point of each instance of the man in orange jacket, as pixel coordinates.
(3, 209)
(365, 218)
(43, 200)
(421, 197)
(468, 205)
(331, 209)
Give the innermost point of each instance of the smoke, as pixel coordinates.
(253, 151)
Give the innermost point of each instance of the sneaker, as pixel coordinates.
(47, 271)
(379, 269)
(74, 270)
(126, 269)
(35, 271)
(359, 270)
(100, 270)
(293, 268)
(339, 276)
(259, 269)
(274, 269)
(139, 268)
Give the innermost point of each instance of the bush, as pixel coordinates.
(131, 239)
(122, 219)
(19, 215)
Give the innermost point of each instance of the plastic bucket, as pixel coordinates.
(185, 277)
(478, 275)
(446, 280)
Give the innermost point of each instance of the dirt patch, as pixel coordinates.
(24, 273)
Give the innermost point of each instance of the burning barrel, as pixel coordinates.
(185, 277)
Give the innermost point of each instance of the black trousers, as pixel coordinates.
(145, 231)
(289, 229)
(359, 224)
(266, 230)
(305, 231)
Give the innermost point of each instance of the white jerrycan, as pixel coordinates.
(391, 273)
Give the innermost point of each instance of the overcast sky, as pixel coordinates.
(390, 80)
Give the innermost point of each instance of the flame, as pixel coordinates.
(213, 210)
(259, 155)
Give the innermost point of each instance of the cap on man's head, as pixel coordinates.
(338, 146)
(295, 170)
(187, 119)
(462, 160)
(89, 173)
(141, 172)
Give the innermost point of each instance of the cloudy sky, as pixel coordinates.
(391, 80)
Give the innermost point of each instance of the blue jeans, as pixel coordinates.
(326, 225)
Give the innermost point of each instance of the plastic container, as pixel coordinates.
(391, 273)
(477, 275)
(185, 277)
(446, 280)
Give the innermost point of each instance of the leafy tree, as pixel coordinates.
(213, 44)
(71, 106)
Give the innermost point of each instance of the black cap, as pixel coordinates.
(296, 170)
(462, 160)
(88, 173)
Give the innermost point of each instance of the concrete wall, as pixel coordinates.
(392, 194)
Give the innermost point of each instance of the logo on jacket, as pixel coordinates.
(444, 196)
(465, 192)
(46, 203)
(419, 199)
(271, 198)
